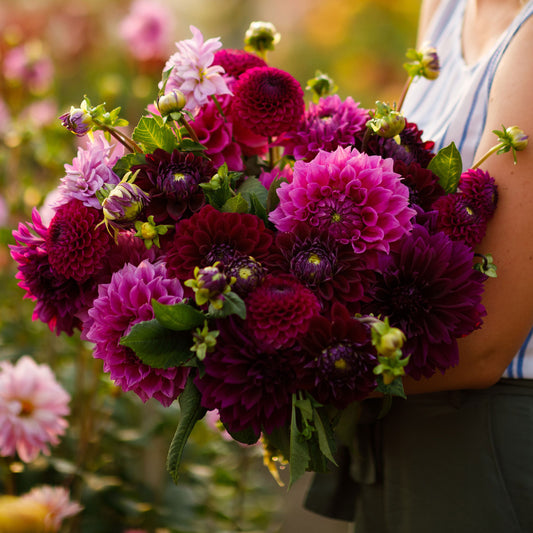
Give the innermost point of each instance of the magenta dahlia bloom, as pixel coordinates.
(266, 178)
(279, 311)
(269, 100)
(121, 303)
(356, 198)
(430, 290)
(329, 269)
(210, 236)
(58, 299)
(193, 73)
(215, 132)
(325, 126)
(32, 409)
(76, 242)
(172, 181)
(91, 169)
(250, 386)
(479, 189)
(236, 62)
(341, 356)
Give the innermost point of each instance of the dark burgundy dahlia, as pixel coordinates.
(268, 100)
(172, 181)
(279, 311)
(236, 62)
(342, 358)
(210, 236)
(480, 189)
(430, 290)
(250, 386)
(77, 241)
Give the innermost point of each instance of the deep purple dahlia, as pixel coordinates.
(329, 269)
(269, 100)
(236, 62)
(342, 358)
(172, 182)
(356, 198)
(58, 299)
(480, 189)
(250, 386)
(210, 236)
(430, 290)
(325, 126)
(77, 241)
(279, 311)
(121, 303)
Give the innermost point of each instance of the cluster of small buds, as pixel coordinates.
(321, 85)
(205, 341)
(209, 285)
(386, 121)
(260, 37)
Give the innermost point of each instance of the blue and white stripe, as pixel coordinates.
(454, 106)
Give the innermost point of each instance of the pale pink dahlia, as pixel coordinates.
(358, 199)
(57, 502)
(121, 303)
(193, 72)
(32, 409)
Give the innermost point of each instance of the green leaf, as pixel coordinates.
(235, 204)
(151, 133)
(326, 438)
(124, 164)
(252, 186)
(233, 305)
(258, 209)
(299, 449)
(447, 165)
(246, 436)
(191, 412)
(178, 317)
(272, 196)
(188, 145)
(394, 389)
(157, 346)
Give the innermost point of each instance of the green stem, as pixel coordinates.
(493, 150)
(404, 92)
(130, 144)
(219, 107)
(189, 129)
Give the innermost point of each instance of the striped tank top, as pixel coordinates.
(454, 106)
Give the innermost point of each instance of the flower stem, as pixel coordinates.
(404, 92)
(493, 150)
(189, 129)
(130, 144)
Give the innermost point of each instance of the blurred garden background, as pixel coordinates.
(52, 53)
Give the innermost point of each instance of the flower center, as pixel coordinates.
(26, 408)
(336, 358)
(313, 265)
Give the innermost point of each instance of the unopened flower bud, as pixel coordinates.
(386, 121)
(124, 203)
(423, 63)
(77, 120)
(390, 342)
(321, 85)
(172, 102)
(209, 285)
(518, 139)
(261, 36)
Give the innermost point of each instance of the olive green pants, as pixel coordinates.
(459, 462)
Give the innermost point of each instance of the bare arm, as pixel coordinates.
(485, 354)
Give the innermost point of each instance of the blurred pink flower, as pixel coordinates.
(57, 501)
(32, 407)
(147, 30)
(28, 65)
(193, 72)
(3, 212)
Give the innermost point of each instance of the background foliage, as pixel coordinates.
(113, 455)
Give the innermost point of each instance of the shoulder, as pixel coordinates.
(427, 12)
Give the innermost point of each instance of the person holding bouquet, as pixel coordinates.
(457, 455)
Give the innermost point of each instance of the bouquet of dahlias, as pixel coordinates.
(244, 253)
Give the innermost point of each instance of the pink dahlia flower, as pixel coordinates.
(121, 303)
(279, 311)
(91, 169)
(269, 100)
(193, 72)
(147, 30)
(32, 409)
(356, 198)
(57, 502)
(236, 62)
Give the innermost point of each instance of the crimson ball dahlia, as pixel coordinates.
(77, 241)
(325, 126)
(58, 299)
(279, 311)
(251, 387)
(172, 181)
(236, 62)
(121, 303)
(329, 269)
(342, 358)
(430, 290)
(210, 236)
(269, 100)
(480, 189)
(358, 199)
